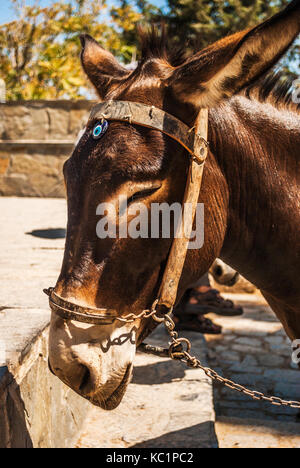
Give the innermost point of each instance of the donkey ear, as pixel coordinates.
(100, 65)
(223, 69)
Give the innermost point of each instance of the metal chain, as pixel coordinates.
(177, 353)
(143, 315)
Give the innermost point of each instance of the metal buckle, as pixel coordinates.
(164, 315)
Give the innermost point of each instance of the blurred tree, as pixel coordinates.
(206, 21)
(198, 23)
(122, 14)
(39, 52)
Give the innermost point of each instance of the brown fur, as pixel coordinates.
(98, 170)
(251, 180)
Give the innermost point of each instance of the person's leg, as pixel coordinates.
(199, 300)
(195, 321)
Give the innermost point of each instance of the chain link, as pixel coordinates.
(143, 315)
(178, 353)
(179, 350)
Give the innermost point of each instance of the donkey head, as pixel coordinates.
(142, 164)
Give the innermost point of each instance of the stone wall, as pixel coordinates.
(36, 409)
(36, 137)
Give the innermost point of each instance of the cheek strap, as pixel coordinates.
(169, 286)
(194, 140)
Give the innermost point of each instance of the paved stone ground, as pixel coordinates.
(31, 246)
(254, 351)
(167, 406)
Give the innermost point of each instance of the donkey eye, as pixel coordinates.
(142, 194)
(100, 129)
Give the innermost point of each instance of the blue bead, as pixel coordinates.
(100, 129)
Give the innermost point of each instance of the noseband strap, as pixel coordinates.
(149, 117)
(70, 311)
(193, 140)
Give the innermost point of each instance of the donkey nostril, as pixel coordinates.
(218, 271)
(85, 378)
(53, 370)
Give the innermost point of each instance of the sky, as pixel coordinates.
(7, 13)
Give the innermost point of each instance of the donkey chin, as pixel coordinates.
(111, 395)
(95, 362)
(108, 395)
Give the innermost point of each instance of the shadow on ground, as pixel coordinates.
(184, 438)
(158, 373)
(58, 233)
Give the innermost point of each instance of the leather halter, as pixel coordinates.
(193, 140)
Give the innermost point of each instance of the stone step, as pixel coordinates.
(36, 409)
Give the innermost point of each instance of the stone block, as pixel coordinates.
(229, 357)
(19, 122)
(246, 369)
(287, 391)
(246, 349)
(249, 341)
(248, 366)
(283, 350)
(271, 360)
(16, 186)
(274, 340)
(37, 410)
(58, 124)
(77, 120)
(283, 375)
(28, 169)
(34, 165)
(4, 163)
(34, 175)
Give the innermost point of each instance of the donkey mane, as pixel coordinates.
(155, 45)
(274, 87)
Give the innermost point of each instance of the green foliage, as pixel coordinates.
(39, 52)
(199, 23)
(206, 21)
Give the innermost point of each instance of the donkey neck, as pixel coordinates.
(257, 149)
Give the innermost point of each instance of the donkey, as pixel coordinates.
(250, 192)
